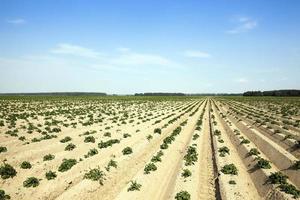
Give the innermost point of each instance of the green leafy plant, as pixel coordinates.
(150, 167)
(111, 163)
(263, 164)
(253, 152)
(217, 132)
(157, 130)
(66, 165)
(183, 195)
(48, 157)
(66, 139)
(221, 140)
(149, 137)
(229, 169)
(164, 146)
(90, 139)
(31, 182)
(157, 157)
(196, 136)
(3, 196)
(126, 135)
(290, 189)
(191, 156)
(108, 143)
(223, 151)
(25, 165)
(3, 149)
(186, 173)
(127, 150)
(245, 141)
(70, 147)
(50, 175)
(95, 175)
(296, 165)
(7, 171)
(22, 138)
(277, 178)
(91, 152)
(107, 134)
(134, 186)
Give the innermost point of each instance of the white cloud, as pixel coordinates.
(124, 57)
(16, 21)
(123, 49)
(70, 49)
(125, 61)
(196, 54)
(244, 24)
(131, 58)
(243, 19)
(242, 80)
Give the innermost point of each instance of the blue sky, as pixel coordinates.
(129, 46)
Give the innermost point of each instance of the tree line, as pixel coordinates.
(288, 93)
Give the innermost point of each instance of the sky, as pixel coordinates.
(129, 46)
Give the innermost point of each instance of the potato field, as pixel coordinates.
(148, 148)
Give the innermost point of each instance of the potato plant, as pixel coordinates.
(31, 182)
(95, 175)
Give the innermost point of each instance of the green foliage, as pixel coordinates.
(70, 147)
(296, 165)
(263, 164)
(31, 182)
(229, 169)
(25, 165)
(290, 189)
(90, 139)
(7, 171)
(196, 136)
(50, 175)
(107, 134)
(223, 151)
(3, 149)
(22, 138)
(157, 157)
(289, 136)
(66, 165)
(157, 130)
(91, 152)
(245, 141)
(277, 178)
(232, 182)
(186, 173)
(108, 143)
(149, 137)
(3, 196)
(126, 135)
(183, 195)
(66, 139)
(150, 167)
(95, 175)
(254, 152)
(127, 150)
(134, 186)
(111, 163)
(217, 132)
(164, 146)
(48, 157)
(191, 156)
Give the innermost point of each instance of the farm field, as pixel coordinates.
(149, 148)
